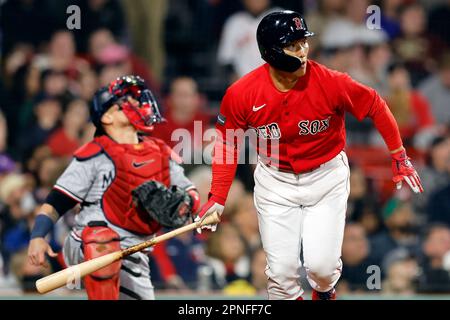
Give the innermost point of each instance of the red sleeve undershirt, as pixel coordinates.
(224, 167)
(385, 123)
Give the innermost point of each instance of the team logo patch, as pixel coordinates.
(298, 23)
(221, 119)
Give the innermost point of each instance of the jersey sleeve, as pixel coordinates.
(77, 179)
(177, 176)
(363, 101)
(355, 97)
(230, 121)
(232, 113)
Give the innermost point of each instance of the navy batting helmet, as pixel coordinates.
(142, 117)
(276, 31)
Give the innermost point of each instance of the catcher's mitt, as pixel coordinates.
(170, 207)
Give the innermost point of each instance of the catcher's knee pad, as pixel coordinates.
(99, 240)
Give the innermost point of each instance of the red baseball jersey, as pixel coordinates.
(308, 120)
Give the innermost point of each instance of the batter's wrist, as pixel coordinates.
(217, 199)
(397, 150)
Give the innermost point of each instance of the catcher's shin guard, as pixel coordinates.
(99, 240)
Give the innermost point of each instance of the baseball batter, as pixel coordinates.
(101, 178)
(300, 191)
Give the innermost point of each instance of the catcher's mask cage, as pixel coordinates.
(276, 31)
(142, 117)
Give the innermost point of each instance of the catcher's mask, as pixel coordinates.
(142, 117)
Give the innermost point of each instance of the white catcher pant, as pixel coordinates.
(302, 210)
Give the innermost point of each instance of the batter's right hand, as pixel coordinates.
(207, 209)
(37, 250)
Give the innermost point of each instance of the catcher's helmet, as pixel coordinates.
(276, 31)
(142, 117)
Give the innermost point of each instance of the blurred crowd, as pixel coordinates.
(189, 51)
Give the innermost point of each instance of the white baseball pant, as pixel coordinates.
(306, 211)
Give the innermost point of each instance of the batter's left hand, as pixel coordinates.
(403, 169)
(213, 205)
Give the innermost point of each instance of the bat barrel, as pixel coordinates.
(74, 274)
(77, 272)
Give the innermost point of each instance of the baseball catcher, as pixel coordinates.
(128, 185)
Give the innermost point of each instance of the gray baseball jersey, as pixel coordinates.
(86, 181)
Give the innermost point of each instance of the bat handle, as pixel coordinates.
(213, 218)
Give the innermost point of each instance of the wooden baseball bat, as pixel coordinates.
(76, 272)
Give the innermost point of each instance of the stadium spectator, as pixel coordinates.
(258, 276)
(48, 170)
(436, 174)
(238, 49)
(435, 276)
(357, 259)
(18, 16)
(378, 58)
(67, 139)
(15, 216)
(87, 85)
(185, 112)
(98, 14)
(105, 50)
(345, 41)
(226, 256)
(327, 10)
(246, 221)
(438, 207)
(186, 254)
(438, 19)
(362, 203)
(61, 55)
(402, 230)
(201, 178)
(47, 113)
(410, 109)
(414, 46)
(402, 271)
(6, 163)
(437, 90)
(145, 20)
(389, 17)
(350, 29)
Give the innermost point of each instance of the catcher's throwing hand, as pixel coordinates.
(37, 250)
(214, 204)
(403, 169)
